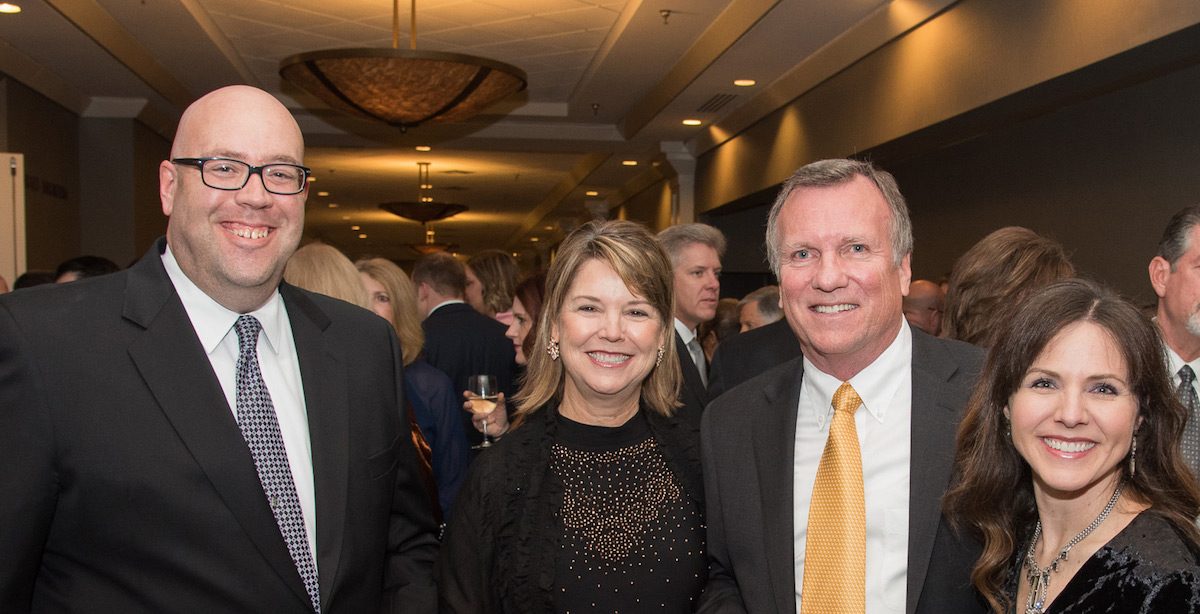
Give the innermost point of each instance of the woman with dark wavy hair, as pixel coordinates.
(1069, 464)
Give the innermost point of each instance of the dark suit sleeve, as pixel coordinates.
(27, 481)
(716, 377)
(412, 546)
(721, 593)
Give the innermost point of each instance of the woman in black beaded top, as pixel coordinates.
(1069, 463)
(593, 502)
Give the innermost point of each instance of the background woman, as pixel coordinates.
(593, 501)
(491, 277)
(995, 275)
(526, 307)
(432, 394)
(1070, 446)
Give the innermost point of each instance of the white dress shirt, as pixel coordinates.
(280, 367)
(884, 425)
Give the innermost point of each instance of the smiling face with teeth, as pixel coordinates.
(609, 339)
(1074, 414)
(840, 284)
(233, 244)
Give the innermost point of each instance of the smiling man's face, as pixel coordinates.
(841, 286)
(233, 244)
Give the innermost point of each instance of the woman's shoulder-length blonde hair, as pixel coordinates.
(636, 257)
(403, 297)
(323, 269)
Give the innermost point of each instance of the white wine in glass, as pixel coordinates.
(482, 389)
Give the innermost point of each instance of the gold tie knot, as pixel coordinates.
(846, 399)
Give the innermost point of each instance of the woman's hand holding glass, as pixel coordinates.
(494, 422)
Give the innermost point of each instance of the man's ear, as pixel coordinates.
(168, 175)
(1160, 272)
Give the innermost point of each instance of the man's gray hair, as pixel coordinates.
(766, 299)
(1174, 242)
(828, 173)
(674, 239)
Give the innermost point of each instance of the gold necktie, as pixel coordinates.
(835, 557)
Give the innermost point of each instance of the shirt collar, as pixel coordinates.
(211, 320)
(1175, 363)
(444, 303)
(876, 385)
(684, 333)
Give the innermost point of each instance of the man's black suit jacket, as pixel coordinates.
(127, 486)
(748, 440)
(692, 392)
(463, 342)
(745, 355)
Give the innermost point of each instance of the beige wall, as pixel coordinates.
(651, 206)
(47, 135)
(974, 53)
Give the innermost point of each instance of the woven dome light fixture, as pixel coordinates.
(403, 87)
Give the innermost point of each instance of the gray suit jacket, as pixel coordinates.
(747, 443)
(127, 484)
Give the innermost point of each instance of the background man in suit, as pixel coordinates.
(189, 435)
(695, 251)
(1175, 275)
(840, 240)
(459, 340)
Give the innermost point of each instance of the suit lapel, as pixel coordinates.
(774, 448)
(691, 377)
(327, 404)
(934, 423)
(170, 359)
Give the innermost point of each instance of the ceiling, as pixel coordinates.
(609, 81)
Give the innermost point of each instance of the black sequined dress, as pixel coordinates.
(1146, 568)
(564, 517)
(631, 540)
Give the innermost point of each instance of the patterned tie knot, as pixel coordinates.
(846, 399)
(1186, 376)
(247, 328)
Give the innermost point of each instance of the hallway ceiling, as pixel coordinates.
(609, 81)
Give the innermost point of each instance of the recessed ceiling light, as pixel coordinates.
(322, 193)
(547, 228)
(345, 218)
(423, 148)
(9, 8)
(362, 235)
(629, 162)
(333, 205)
(426, 186)
(356, 228)
(534, 239)
(744, 82)
(591, 193)
(311, 179)
(692, 122)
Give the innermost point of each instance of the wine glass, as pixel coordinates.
(481, 391)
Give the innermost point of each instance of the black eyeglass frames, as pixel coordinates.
(230, 174)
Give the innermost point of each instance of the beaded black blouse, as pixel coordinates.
(1147, 568)
(631, 540)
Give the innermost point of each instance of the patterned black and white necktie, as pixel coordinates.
(1191, 434)
(260, 427)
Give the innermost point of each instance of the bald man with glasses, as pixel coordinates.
(194, 435)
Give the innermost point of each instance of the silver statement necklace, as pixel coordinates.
(1039, 578)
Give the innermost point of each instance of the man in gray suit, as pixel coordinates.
(840, 240)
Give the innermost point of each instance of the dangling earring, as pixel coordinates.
(1007, 429)
(658, 361)
(552, 349)
(1133, 456)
